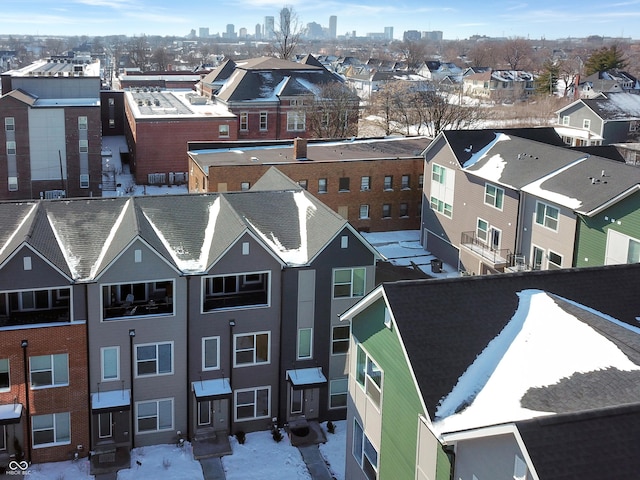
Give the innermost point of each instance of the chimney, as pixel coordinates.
(300, 148)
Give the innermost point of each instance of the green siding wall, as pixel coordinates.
(401, 404)
(591, 238)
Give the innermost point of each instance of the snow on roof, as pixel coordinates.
(111, 399)
(193, 264)
(535, 188)
(107, 243)
(565, 131)
(10, 412)
(72, 261)
(211, 388)
(479, 155)
(306, 376)
(300, 255)
(621, 105)
(531, 351)
(18, 228)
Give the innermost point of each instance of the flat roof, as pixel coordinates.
(334, 151)
(157, 103)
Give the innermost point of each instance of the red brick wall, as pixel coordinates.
(74, 398)
(10, 107)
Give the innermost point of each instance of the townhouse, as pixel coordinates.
(499, 85)
(515, 199)
(50, 129)
(196, 316)
(496, 377)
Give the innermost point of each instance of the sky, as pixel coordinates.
(461, 19)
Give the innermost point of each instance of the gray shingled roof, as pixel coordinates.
(616, 106)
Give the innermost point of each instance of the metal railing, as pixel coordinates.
(496, 256)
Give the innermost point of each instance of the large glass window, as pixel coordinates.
(296, 121)
(340, 339)
(211, 353)
(154, 415)
(305, 343)
(348, 282)
(51, 429)
(369, 376)
(338, 390)
(493, 196)
(547, 215)
(633, 252)
(235, 291)
(252, 349)
(110, 363)
(441, 207)
(364, 452)
(253, 403)
(49, 370)
(128, 300)
(438, 174)
(154, 359)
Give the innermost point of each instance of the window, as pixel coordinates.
(84, 180)
(263, 121)
(420, 180)
(3, 438)
(243, 290)
(303, 183)
(537, 257)
(386, 210)
(51, 429)
(210, 353)
(364, 211)
(369, 376)
(405, 182)
(404, 209)
(126, 300)
(565, 120)
(9, 124)
(110, 358)
(364, 452)
(338, 389)
(112, 102)
(343, 184)
(244, 186)
(633, 251)
(82, 123)
(365, 183)
(482, 230)
(251, 349)
(297, 400)
(154, 359)
(438, 174)
(244, 121)
(12, 184)
(442, 190)
(322, 185)
(49, 370)
(154, 415)
(296, 102)
(296, 121)
(348, 282)
(105, 422)
(223, 130)
(586, 124)
(388, 182)
(555, 261)
(112, 123)
(340, 340)
(4, 374)
(253, 403)
(344, 241)
(83, 145)
(547, 215)
(245, 248)
(493, 196)
(305, 343)
(519, 469)
(11, 148)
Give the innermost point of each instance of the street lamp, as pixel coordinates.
(132, 334)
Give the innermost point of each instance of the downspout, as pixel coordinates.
(281, 402)
(24, 344)
(188, 339)
(232, 323)
(132, 429)
(71, 314)
(519, 223)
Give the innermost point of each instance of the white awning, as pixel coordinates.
(111, 401)
(10, 413)
(306, 377)
(206, 389)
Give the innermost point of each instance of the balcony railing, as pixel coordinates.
(497, 257)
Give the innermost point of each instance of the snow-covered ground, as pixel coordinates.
(259, 458)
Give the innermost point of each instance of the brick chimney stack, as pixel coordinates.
(300, 148)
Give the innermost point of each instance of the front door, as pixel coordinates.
(206, 414)
(303, 402)
(538, 256)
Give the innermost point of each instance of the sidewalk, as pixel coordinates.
(315, 462)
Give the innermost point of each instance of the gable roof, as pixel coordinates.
(446, 325)
(617, 106)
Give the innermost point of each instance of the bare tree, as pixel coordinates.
(161, 59)
(334, 112)
(139, 52)
(516, 52)
(412, 52)
(287, 35)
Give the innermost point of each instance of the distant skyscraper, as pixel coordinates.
(231, 31)
(242, 33)
(258, 31)
(333, 26)
(203, 32)
(269, 27)
(388, 33)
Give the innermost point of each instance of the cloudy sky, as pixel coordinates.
(456, 19)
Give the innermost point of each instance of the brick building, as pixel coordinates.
(50, 129)
(376, 184)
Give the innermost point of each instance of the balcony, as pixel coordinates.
(235, 291)
(127, 300)
(30, 307)
(497, 258)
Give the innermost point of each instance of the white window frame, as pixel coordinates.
(205, 341)
(552, 265)
(493, 198)
(388, 183)
(5, 370)
(343, 389)
(586, 124)
(55, 426)
(82, 123)
(84, 180)
(159, 426)
(322, 185)
(296, 407)
(566, 120)
(364, 212)
(299, 349)
(244, 186)
(12, 184)
(405, 183)
(11, 147)
(296, 121)
(223, 130)
(254, 403)
(201, 408)
(63, 381)
(359, 451)
(365, 379)
(264, 121)
(9, 124)
(545, 216)
(243, 121)
(353, 293)
(484, 238)
(253, 349)
(157, 372)
(103, 351)
(83, 146)
(365, 183)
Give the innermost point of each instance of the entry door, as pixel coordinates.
(205, 413)
(296, 406)
(538, 256)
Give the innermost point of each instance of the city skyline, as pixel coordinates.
(544, 19)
